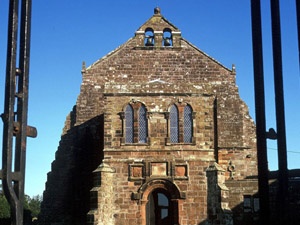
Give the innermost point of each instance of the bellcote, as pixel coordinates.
(158, 32)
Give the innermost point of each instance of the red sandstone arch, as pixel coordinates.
(167, 187)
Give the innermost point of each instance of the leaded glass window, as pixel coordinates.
(174, 127)
(188, 124)
(129, 124)
(143, 128)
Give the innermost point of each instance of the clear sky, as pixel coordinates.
(66, 32)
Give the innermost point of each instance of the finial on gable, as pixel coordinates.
(157, 10)
(157, 32)
(233, 71)
(83, 67)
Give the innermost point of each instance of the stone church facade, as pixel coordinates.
(158, 136)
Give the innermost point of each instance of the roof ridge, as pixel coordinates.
(110, 53)
(204, 53)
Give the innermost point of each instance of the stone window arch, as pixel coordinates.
(129, 124)
(180, 118)
(149, 37)
(135, 123)
(167, 37)
(174, 124)
(187, 124)
(143, 124)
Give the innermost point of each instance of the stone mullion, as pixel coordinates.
(136, 106)
(181, 129)
(180, 123)
(135, 126)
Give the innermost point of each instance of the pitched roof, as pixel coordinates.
(157, 21)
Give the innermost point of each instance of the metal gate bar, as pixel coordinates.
(15, 129)
(280, 115)
(260, 114)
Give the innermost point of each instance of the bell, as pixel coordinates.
(167, 42)
(149, 41)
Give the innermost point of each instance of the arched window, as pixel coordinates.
(174, 125)
(149, 37)
(135, 123)
(167, 38)
(180, 123)
(129, 128)
(187, 124)
(143, 124)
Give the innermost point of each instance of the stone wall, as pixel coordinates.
(66, 197)
(97, 175)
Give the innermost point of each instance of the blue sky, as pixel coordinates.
(66, 32)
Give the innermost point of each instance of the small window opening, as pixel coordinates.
(129, 124)
(188, 124)
(251, 204)
(167, 38)
(135, 123)
(149, 37)
(174, 125)
(143, 125)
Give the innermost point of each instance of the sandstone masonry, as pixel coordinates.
(158, 135)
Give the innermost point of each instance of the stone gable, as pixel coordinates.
(158, 135)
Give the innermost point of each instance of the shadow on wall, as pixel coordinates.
(247, 212)
(67, 193)
(292, 209)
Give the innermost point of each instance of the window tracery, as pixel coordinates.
(180, 123)
(135, 123)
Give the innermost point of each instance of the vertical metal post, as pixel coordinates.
(260, 112)
(15, 121)
(8, 115)
(22, 99)
(280, 117)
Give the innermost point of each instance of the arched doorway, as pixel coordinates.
(159, 208)
(160, 202)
